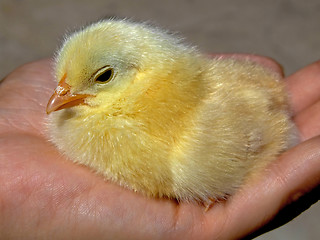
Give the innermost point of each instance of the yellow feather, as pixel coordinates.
(172, 122)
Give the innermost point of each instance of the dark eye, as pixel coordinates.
(105, 75)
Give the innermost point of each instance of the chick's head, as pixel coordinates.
(98, 64)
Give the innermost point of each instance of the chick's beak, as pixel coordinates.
(63, 98)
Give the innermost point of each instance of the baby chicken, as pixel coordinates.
(144, 110)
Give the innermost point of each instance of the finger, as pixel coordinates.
(308, 121)
(266, 62)
(291, 176)
(304, 87)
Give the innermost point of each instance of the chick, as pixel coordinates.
(152, 114)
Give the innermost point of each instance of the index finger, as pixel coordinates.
(304, 87)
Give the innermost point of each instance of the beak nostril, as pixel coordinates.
(61, 90)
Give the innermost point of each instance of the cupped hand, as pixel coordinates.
(44, 195)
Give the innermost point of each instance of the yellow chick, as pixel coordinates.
(136, 105)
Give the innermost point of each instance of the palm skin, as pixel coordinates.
(43, 195)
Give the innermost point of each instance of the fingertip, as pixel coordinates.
(266, 62)
(304, 87)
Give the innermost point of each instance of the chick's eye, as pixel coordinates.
(105, 76)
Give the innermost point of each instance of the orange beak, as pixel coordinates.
(63, 98)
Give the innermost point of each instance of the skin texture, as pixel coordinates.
(43, 195)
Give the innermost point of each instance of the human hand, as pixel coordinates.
(43, 195)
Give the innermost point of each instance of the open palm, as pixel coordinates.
(43, 195)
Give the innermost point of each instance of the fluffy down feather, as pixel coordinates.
(166, 120)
